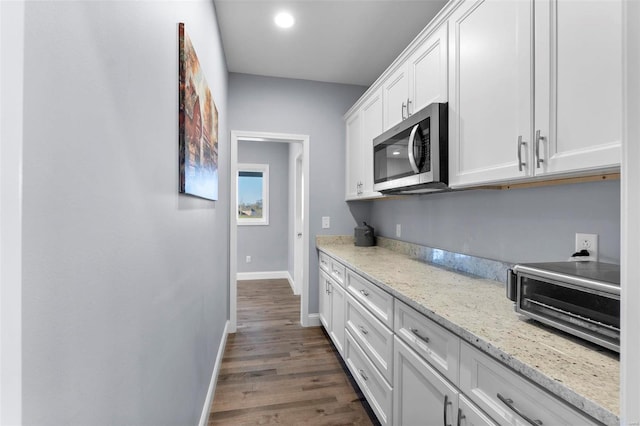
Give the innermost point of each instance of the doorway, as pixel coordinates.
(299, 195)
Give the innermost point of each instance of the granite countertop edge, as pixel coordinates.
(552, 386)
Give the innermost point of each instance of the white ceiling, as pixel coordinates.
(340, 41)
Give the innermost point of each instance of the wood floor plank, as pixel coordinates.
(275, 371)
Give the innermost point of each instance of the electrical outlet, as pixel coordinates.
(398, 230)
(588, 242)
(248, 259)
(326, 222)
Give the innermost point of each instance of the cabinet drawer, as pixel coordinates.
(376, 300)
(502, 393)
(325, 262)
(375, 388)
(337, 271)
(438, 346)
(373, 337)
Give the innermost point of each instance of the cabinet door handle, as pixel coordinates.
(363, 330)
(446, 403)
(520, 163)
(403, 108)
(364, 376)
(417, 334)
(328, 287)
(509, 403)
(460, 417)
(364, 293)
(409, 113)
(538, 139)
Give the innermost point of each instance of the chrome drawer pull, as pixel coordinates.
(538, 139)
(509, 403)
(364, 376)
(417, 334)
(364, 293)
(363, 330)
(520, 163)
(460, 416)
(446, 402)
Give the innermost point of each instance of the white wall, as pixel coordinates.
(125, 282)
(280, 105)
(267, 244)
(630, 271)
(11, 131)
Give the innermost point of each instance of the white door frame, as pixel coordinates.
(298, 221)
(237, 135)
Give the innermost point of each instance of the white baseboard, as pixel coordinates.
(204, 417)
(267, 275)
(313, 320)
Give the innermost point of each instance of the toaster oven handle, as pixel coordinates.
(512, 283)
(412, 158)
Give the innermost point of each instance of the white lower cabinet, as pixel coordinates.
(470, 415)
(332, 309)
(509, 398)
(421, 395)
(372, 384)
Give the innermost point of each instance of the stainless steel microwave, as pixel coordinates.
(580, 298)
(412, 157)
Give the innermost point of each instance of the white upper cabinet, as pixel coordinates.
(362, 127)
(418, 81)
(490, 99)
(513, 117)
(578, 85)
(354, 164)
(395, 92)
(428, 71)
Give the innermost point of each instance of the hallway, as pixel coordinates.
(275, 371)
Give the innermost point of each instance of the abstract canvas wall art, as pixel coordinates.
(197, 125)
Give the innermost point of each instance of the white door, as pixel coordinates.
(428, 71)
(578, 76)
(490, 112)
(420, 395)
(298, 264)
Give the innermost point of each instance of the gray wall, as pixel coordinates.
(520, 225)
(267, 244)
(125, 282)
(310, 108)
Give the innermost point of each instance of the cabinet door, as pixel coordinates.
(324, 301)
(371, 128)
(353, 159)
(420, 395)
(338, 301)
(395, 94)
(578, 84)
(470, 415)
(490, 95)
(428, 71)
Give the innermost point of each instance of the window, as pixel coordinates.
(253, 194)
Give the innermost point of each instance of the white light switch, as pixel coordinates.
(326, 222)
(248, 259)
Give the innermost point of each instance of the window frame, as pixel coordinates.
(264, 169)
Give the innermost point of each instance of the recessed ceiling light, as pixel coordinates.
(284, 20)
(396, 152)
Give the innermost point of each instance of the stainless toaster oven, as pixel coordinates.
(580, 298)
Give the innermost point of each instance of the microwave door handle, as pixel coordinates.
(412, 158)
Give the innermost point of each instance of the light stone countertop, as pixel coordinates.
(478, 311)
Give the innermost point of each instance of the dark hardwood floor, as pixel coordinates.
(276, 371)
